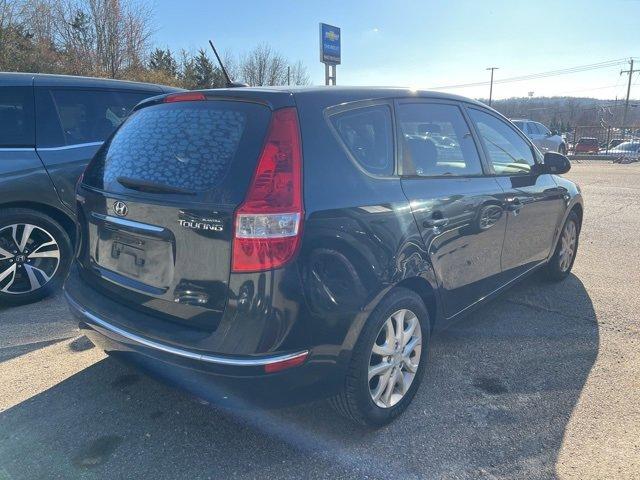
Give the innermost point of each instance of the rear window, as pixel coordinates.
(190, 146)
(16, 117)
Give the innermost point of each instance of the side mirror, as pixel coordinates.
(556, 163)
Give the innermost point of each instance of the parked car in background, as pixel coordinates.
(541, 136)
(275, 245)
(615, 142)
(50, 127)
(587, 145)
(626, 151)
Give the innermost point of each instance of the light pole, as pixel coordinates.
(491, 84)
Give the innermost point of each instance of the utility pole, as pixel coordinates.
(491, 84)
(626, 102)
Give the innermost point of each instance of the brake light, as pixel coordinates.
(184, 97)
(268, 224)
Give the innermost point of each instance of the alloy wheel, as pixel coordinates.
(395, 357)
(568, 245)
(29, 258)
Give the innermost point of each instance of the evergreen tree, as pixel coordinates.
(205, 73)
(163, 61)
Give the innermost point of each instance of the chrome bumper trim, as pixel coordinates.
(215, 359)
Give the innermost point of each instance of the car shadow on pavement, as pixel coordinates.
(496, 399)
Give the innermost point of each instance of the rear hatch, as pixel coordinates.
(156, 206)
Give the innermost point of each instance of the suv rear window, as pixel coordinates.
(367, 133)
(185, 145)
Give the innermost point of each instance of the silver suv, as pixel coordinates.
(541, 136)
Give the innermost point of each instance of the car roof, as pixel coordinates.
(320, 97)
(50, 80)
(353, 92)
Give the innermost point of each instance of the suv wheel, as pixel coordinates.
(561, 263)
(562, 149)
(35, 253)
(388, 361)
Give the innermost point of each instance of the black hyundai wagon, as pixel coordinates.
(262, 246)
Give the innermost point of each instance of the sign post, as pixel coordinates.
(329, 51)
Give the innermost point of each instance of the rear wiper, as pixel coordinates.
(151, 187)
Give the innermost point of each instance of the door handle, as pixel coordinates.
(513, 204)
(435, 222)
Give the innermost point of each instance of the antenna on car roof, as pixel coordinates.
(230, 84)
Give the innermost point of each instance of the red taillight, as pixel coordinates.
(268, 223)
(184, 97)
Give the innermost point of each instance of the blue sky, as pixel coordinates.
(427, 43)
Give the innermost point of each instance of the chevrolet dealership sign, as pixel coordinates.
(329, 44)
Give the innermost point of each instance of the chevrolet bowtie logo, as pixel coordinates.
(331, 36)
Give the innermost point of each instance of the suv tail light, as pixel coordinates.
(268, 224)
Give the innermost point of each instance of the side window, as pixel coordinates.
(85, 116)
(543, 130)
(436, 140)
(507, 151)
(532, 129)
(368, 134)
(16, 117)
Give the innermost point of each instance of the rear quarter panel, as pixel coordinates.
(359, 239)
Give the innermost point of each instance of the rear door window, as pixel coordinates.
(206, 148)
(436, 141)
(78, 116)
(367, 133)
(17, 127)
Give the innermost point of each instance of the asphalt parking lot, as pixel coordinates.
(541, 383)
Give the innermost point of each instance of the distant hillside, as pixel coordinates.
(565, 113)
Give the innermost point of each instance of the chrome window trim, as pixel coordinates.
(17, 149)
(215, 359)
(69, 147)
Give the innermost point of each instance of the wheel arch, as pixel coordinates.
(426, 292)
(579, 211)
(65, 219)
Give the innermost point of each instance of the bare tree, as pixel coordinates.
(298, 74)
(113, 38)
(263, 66)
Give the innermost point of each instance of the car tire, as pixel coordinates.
(356, 399)
(562, 149)
(31, 268)
(560, 264)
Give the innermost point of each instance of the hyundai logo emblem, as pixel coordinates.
(120, 208)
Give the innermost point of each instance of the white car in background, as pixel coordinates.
(541, 136)
(626, 152)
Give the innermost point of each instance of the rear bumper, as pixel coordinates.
(234, 381)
